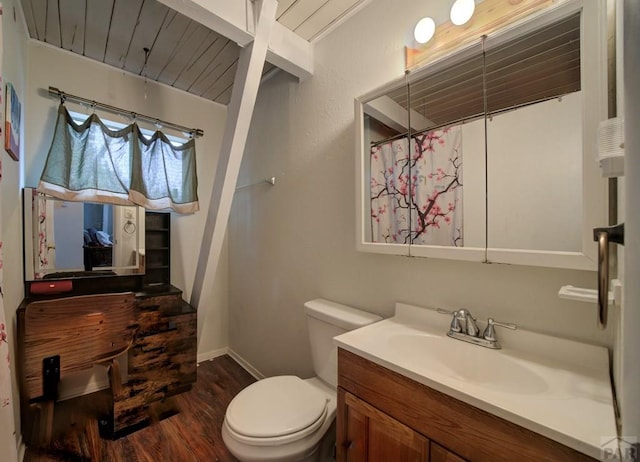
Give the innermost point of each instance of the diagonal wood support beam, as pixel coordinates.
(234, 19)
(234, 139)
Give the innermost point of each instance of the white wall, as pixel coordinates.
(296, 241)
(535, 176)
(68, 235)
(14, 71)
(79, 76)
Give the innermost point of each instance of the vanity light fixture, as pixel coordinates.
(461, 11)
(424, 30)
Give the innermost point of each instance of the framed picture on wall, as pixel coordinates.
(12, 123)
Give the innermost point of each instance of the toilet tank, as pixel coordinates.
(327, 319)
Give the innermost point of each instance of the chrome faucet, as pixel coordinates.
(470, 326)
(464, 327)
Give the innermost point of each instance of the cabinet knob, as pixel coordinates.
(347, 444)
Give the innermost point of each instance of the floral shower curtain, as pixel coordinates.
(7, 426)
(416, 191)
(43, 236)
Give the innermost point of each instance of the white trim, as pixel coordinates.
(246, 365)
(544, 258)
(209, 355)
(22, 448)
(594, 188)
(337, 22)
(23, 21)
(476, 254)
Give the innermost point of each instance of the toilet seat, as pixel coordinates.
(276, 411)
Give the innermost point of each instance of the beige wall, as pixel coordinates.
(32, 67)
(14, 71)
(79, 76)
(296, 240)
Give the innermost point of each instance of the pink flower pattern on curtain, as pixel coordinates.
(41, 240)
(416, 192)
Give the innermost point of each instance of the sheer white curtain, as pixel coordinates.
(90, 162)
(416, 191)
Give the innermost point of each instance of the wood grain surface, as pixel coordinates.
(193, 435)
(82, 330)
(472, 433)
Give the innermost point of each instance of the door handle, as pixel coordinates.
(603, 236)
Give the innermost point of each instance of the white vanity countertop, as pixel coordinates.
(553, 386)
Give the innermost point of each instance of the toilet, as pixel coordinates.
(286, 418)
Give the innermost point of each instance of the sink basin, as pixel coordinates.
(467, 363)
(553, 386)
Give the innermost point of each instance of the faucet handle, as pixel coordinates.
(455, 320)
(443, 311)
(489, 331)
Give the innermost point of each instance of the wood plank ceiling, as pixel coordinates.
(537, 66)
(147, 38)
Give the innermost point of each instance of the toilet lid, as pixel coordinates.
(274, 407)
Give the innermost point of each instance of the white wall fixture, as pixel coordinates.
(461, 11)
(611, 147)
(424, 30)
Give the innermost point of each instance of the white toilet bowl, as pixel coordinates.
(281, 418)
(286, 418)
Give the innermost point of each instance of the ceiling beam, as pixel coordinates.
(234, 19)
(234, 139)
(390, 113)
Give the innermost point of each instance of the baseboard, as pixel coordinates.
(22, 448)
(246, 365)
(207, 355)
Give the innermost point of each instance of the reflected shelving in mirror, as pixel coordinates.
(64, 239)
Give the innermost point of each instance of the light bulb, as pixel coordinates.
(424, 30)
(461, 11)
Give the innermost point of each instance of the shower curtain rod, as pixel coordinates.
(468, 119)
(53, 91)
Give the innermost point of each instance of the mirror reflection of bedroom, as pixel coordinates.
(77, 248)
(72, 239)
(98, 235)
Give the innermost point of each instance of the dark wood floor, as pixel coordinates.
(191, 435)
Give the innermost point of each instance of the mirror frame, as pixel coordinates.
(593, 77)
(28, 248)
(477, 254)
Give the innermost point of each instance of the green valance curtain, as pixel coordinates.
(90, 162)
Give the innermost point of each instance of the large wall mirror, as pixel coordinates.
(489, 154)
(64, 239)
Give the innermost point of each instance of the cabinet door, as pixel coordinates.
(440, 454)
(368, 434)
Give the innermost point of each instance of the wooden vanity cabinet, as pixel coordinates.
(161, 362)
(157, 332)
(375, 436)
(384, 416)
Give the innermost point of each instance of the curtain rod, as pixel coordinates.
(53, 91)
(471, 118)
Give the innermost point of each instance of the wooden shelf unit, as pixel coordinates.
(157, 248)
